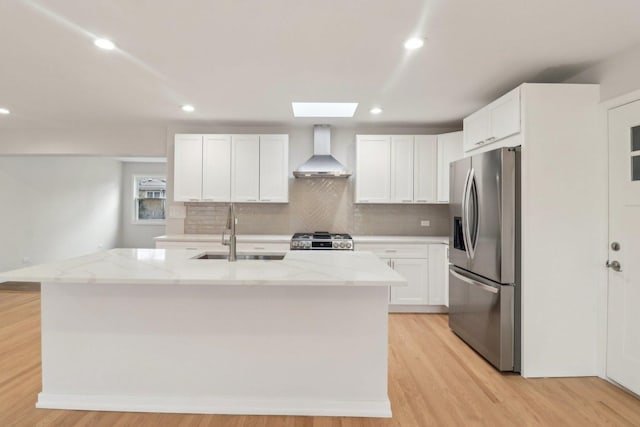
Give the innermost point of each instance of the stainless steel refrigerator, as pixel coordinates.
(484, 242)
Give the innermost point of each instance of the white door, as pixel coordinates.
(425, 170)
(416, 272)
(476, 129)
(505, 115)
(449, 150)
(274, 168)
(402, 169)
(187, 168)
(373, 169)
(216, 168)
(623, 346)
(245, 168)
(438, 275)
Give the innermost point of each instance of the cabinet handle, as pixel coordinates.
(194, 200)
(251, 200)
(407, 201)
(391, 250)
(420, 200)
(265, 200)
(479, 142)
(491, 138)
(258, 248)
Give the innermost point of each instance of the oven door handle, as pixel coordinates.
(474, 282)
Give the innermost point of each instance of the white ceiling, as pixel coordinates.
(245, 61)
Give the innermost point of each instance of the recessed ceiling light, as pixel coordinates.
(375, 110)
(4, 111)
(105, 44)
(324, 109)
(413, 43)
(188, 108)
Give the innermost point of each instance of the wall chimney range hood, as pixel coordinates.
(322, 164)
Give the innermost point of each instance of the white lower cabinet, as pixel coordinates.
(424, 266)
(439, 275)
(416, 271)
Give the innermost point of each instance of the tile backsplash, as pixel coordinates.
(320, 204)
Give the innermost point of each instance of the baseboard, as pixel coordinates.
(213, 405)
(418, 309)
(20, 286)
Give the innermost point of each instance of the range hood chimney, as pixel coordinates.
(322, 164)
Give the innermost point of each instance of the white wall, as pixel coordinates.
(137, 235)
(91, 141)
(617, 75)
(57, 207)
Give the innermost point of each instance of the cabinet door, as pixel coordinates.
(216, 168)
(402, 169)
(187, 168)
(245, 168)
(274, 168)
(505, 115)
(425, 168)
(416, 272)
(373, 169)
(449, 150)
(438, 275)
(476, 129)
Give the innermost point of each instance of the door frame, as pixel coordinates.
(603, 307)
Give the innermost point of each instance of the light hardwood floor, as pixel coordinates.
(434, 380)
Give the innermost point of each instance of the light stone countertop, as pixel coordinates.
(177, 267)
(286, 238)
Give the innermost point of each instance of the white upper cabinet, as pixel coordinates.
(425, 168)
(373, 169)
(477, 129)
(187, 168)
(239, 168)
(396, 169)
(449, 150)
(402, 169)
(505, 115)
(245, 168)
(216, 168)
(497, 121)
(274, 168)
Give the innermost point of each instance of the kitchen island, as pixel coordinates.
(158, 330)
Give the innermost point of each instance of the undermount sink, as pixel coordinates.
(243, 257)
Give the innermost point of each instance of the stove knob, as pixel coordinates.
(342, 245)
(349, 245)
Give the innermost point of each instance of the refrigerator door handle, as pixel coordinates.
(465, 203)
(474, 282)
(464, 215)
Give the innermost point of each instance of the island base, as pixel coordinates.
(242, 349)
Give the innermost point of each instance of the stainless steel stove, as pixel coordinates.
(321, 240)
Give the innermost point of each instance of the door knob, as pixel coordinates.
(614, 265)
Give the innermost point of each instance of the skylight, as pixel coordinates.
(324, 109)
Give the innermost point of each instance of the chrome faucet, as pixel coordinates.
(231, 226)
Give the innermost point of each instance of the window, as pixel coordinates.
(150, 194)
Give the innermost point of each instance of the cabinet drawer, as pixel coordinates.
(263, 247)
(189, 245)
(395, 251)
